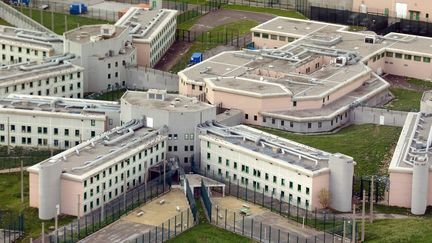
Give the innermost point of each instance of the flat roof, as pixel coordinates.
(283, 65)
(144, 23)
(415, 139)
(93, 33)
(57, 105)
(103, 150)
(168, 102)
(40, 69)
(290, 153)
(28, 38)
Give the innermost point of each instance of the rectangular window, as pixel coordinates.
(417, 58)
(398, 55)
(407, 57)
(265, 36)
(426, 59)
(257, 34)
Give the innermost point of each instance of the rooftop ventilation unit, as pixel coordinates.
(107, 31)
(371, 39)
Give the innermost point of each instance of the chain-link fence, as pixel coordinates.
(11, 226)
(112, 211)
(325, 221)
(168, 229)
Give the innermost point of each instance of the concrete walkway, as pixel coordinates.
(12, 170)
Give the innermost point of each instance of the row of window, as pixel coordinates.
(44, 130)
(40, 141)
(273, 37)
(187, 136)
(256, 185)
(19, 49)
(256, 173)
(400, 56)
(126, 162)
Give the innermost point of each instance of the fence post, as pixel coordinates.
(226, 212)
(234, 221)
(243, 224)
(260, 234)
(252, 228)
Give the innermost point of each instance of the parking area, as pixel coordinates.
(160, 210)
(261, 223)
(169, 211)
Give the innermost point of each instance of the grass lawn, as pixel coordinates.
(405, 100)
(420, 83)
(114, 95)
(368, 144)
(205, 232)
(279, 12)
(418, 229)
(186, 25)
(10, 200)
(73, 21)
(213, 38)
(3, 22)
(28, 156)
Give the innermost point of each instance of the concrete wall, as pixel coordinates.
(338, 4)
(362, 115)
(147, 78)
(20, 20)
(422, 6)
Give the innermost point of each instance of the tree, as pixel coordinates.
(324, 198)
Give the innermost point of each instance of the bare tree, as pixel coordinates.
(324, 198)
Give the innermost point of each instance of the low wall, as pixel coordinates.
(19, 20)
(379, 116)
(148, 78)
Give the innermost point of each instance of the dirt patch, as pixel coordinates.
(173, 55)
(225, 16)
(401, 82)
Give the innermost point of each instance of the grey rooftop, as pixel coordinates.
(161, 100)
(103, 150)
(290, 152)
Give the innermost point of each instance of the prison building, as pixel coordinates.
(152, 31)
(275, 166)
(97, 171)
(54, 76)
(45, 122)
(409, 170)
(311, 83)
(181, 114)
(105, 51)
(419, 10)
(21, 45)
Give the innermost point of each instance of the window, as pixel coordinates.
(266, 176)
(291, 184)
(398, 55)
(274, 179)
(294, 103)
(227, 162)
(408, 57)
(417, 58)
(283, 182)
(389, 54)
(426, 59)
(273, 37)
(55, 131)
(66, 132)
(208, 155)
(282, 38)
(235, 165)
(299, 187)
(265, 36)
(309, 125)
(77, 133)
(246, 116)
(257, 34)
(307, 190)
(319, 124)
(93, 123)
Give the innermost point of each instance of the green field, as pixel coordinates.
(417, 229)
(213, 38)
(28, 156)
(73, 21)
(10, 200)
(405, 100)
(279, 12)
(369, 145)
(114, 95)
(420, 83)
